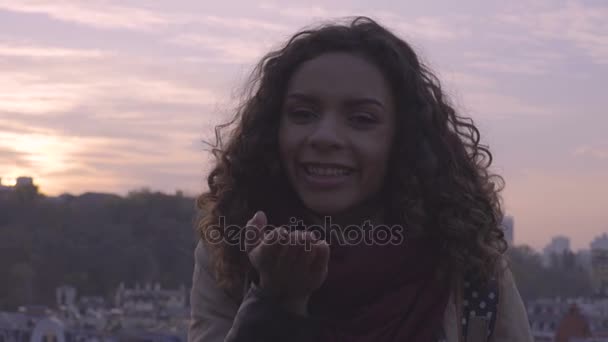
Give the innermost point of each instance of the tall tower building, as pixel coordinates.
(558, 245)
(599, 265)
(508, 226)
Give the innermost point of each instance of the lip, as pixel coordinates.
(304, 163)
(324, 182)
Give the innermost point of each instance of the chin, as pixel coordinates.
(326, 206)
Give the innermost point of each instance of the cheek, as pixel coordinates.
(282, 139)
(375, 160)
(287, 145)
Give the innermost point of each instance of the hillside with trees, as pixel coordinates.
(96, 241)
(93, 242)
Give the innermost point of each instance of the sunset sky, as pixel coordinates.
(111, 96)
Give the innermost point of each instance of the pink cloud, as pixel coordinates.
(597, 152)
(584, 26)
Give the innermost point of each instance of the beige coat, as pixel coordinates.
(213, 311)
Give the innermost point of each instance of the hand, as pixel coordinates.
(291, 265)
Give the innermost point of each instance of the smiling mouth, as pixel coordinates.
(326, 170)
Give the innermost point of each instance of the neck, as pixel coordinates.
(371, 210)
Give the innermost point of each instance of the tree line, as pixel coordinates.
(96, 241)
(92, 242)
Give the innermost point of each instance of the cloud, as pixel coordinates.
(8, 156)
(33, 51)
(105, 15)
(597, 152)
(494, 104)
(468, 80)
(135, 113)
(75, 121)
(42, 88)
(148, 89)
(125, 164)
(584, 26)
(433, 28)
(526, 61)
(30, 92)
(9, 123)
(36, 153)
(242, 23)
(224, 49)
(92, 13)
(59, 162)
(520, 67)
(480, 95)
(300, 12)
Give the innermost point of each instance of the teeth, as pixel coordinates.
(326, 171)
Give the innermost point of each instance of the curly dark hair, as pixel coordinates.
(438, 174)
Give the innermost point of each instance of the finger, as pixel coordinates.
(308, 253)
(295, 264)
(282, 244)
(280, 269)
(269, 248)
(254, 231)
(321, 256)
(297, 249)
(264, 257)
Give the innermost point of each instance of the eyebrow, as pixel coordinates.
(302, 97)
(349, 102)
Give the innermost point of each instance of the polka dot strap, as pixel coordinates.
(479, 300)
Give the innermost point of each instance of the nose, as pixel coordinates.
(326, 134)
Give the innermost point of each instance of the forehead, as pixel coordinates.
(339, 75)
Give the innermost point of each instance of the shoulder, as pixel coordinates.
(203, 277)
(511, 318)
(202, 257)
(212, 310)
(204, 281)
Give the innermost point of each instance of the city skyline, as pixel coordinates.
(114, 96)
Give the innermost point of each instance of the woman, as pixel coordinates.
(345, 127)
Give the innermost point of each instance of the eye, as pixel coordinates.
(362, 119)
(301, 115)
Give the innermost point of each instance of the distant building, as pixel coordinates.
(595, 312)
(599, 265)
(24, 181)
(508, 226)
(557, 246)
(15, 327)
(146, 314)
(49, 329)
(544, 316)
(600, 242)
(94, 303)
(147, 299)
(583, 258)
(547, 318)
(572, 325)
(66, 296)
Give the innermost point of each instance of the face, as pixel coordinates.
(336, 130)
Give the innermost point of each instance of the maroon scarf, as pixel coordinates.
(381, 293)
